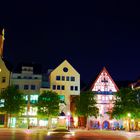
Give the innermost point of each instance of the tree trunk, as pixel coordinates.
(6, 120)
(49, 122)
(9, 120)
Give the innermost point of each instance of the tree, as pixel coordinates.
(86, 105)
(48, 105)
(14, 101)
(126, 105)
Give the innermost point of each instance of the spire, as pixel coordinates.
(3, 33)
(1, 42)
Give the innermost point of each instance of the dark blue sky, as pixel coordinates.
(89, 35)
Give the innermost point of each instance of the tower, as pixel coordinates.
(1, 42)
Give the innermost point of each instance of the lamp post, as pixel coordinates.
(129, 116)
(68, 115)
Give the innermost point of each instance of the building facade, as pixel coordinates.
(28, 81)
(104, 88)
(65, 80)
(4, 78)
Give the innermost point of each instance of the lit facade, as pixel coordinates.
(65, 80)
(4, 77)
(29, 83)
(105, 88)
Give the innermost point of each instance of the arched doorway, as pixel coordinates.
(94, 124)
(105, 125)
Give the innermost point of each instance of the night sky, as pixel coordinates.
(89, 35)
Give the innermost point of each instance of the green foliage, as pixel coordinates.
(14, 101)
(48, 104)
(127, 101)
(86, 104)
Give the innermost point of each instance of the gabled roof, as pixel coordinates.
(104, 70)
(66, 62)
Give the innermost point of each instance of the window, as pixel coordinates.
(3, 79)
(33, 98)
(103, 98)
(30, 77)
(63, 87)
(58, 87)
(71, 87)
(17, 86)
(63, 78)
(26, 87)
(62, 97)
(32, 87)
(2, 103)
(72, 78)
(26, 97)
(35, 77)
(57, 77)
(54, 87)
(67, 78)
(76, 88)
(19, 77)
(65, 69)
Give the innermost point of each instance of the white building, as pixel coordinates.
(27, 78)
(105, 88)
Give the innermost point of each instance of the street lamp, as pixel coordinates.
(68, 115)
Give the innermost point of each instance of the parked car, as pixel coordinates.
(60, 132)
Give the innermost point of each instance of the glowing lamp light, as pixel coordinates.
(68, 113)
(0, 70)
(129, 115)
(132, 120)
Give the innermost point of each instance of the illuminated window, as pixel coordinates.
(103, 98)
(3, 79)
(106, 98)
(33, 98)
(99, 97)
(62, 97)
(58, 78)
(110, 97)
(2, 103)
(32, 111)
(26, 97)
